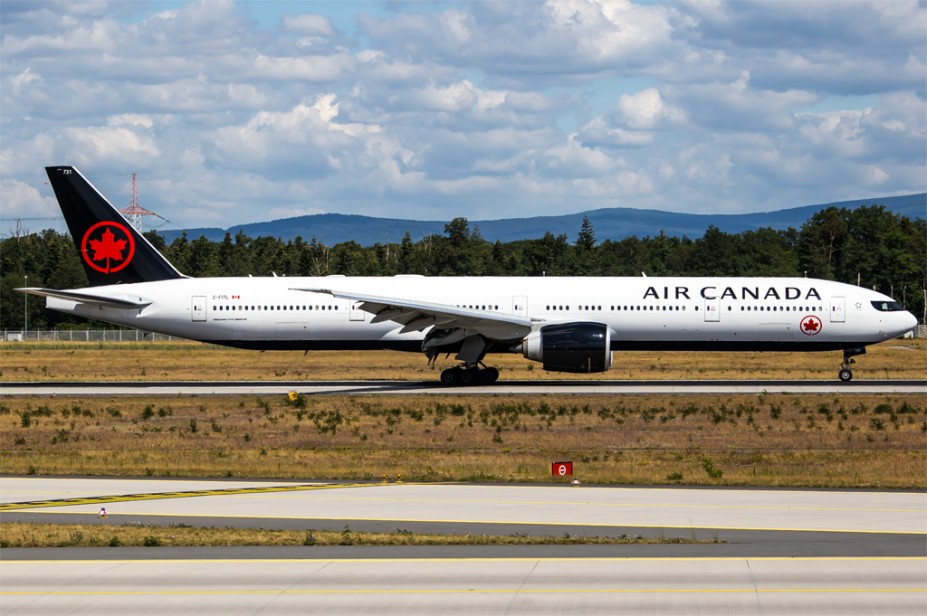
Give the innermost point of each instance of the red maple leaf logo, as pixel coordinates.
(810, 325)
(107, 248)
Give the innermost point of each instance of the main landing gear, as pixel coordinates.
(472, 350)
(845, 374)
(474, 374)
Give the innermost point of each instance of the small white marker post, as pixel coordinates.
(101, 515)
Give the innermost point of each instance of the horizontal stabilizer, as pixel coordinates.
(87, 298)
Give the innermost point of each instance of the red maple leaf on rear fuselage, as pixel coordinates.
(108, 247)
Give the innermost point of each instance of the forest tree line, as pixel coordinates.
(869, 245)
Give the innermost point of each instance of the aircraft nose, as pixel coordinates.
(910, 321)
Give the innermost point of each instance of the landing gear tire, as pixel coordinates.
(845, 374)
(489, 376)
(450, 376)
(466, 377)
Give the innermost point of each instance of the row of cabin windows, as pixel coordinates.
(781, 308)
(617, 308)
(551, 308)
(664, 308)
(277, 308)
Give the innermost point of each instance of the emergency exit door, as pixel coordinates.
(355, 313)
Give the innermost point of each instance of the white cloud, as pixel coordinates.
(131, 119)
(22, 200)
(466, 108)
(646, 110)
(310, 25)
(24, 80)
(311, 68)
(875, 176)
(111, 144)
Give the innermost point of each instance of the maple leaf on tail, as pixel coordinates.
(107, 248)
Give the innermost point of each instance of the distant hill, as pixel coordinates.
(610, 223)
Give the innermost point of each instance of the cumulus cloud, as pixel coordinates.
(480, 109)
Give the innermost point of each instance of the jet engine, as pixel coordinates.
(570, 347)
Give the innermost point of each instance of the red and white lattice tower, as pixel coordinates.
(134, 211)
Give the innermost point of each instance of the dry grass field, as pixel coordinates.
(29, 535)
(848, 440)
(842, 440)
(899, 359)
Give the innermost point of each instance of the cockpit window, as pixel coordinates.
(887, 306)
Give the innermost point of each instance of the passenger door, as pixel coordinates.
(713, 309)
(198, 308)
(838, 309)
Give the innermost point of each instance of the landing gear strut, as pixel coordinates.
(845, 374)
(474, 374)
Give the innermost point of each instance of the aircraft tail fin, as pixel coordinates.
(110, 249)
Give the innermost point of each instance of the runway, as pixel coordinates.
(781, 551)
(465, 586)
(540, 387)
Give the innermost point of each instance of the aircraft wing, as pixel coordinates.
(87, 298)
(418, 316)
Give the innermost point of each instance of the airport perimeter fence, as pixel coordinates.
(85, 335)
(137, 335)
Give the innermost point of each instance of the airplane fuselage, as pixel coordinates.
(680, 313)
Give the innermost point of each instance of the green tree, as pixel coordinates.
(203, 259)
(586, 238)
(235, 255)
(821, 242)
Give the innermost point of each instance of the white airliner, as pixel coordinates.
(568, 324)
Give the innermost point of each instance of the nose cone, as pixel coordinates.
(910, 322)
(899, 323)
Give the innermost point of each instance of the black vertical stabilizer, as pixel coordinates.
(110, 249)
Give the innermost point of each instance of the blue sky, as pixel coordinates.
(234, 112)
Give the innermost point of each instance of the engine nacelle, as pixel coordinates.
(570, 347)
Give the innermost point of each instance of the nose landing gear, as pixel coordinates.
(845, 374)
